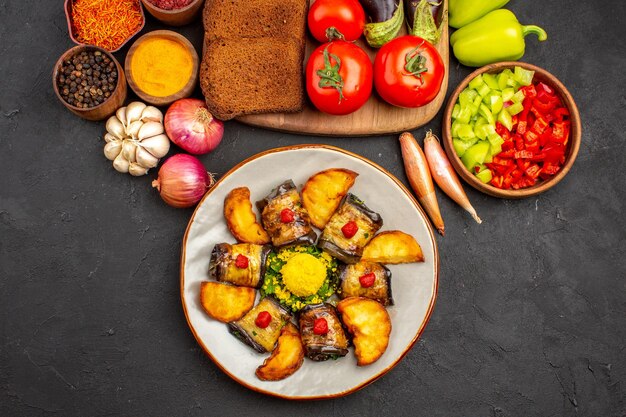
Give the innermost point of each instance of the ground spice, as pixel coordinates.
(161, 67)
(171, 4)
(105, 23)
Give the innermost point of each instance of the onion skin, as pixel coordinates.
(418, 173)
(189, 124)
(444, 174)
(182, 181)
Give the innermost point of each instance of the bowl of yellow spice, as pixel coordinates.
(162, 67)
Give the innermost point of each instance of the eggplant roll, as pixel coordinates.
(322, 347)
(261, 339)
(297, 231)
(333, 240)
(351, 284)
(223, 267)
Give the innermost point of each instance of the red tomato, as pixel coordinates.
(336, 19)
(341, 83)
(349, 229)
(263, 319)
(320, 326)
(241, 261)
(367, 280)
(408, 72)
(287, 215)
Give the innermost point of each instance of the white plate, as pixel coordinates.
(414, 286)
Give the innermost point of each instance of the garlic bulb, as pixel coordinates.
(135, 139)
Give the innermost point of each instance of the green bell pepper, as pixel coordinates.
(462, 12)
(496, 37)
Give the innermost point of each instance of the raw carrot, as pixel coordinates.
(444, 174)
(420, 179)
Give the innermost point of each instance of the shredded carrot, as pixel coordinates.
(105, 23)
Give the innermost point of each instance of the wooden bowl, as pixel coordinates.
(107, 107)
(178, 17)
(185, 91)
(70, 26)
(572, 146)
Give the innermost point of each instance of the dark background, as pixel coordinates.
(531, 314)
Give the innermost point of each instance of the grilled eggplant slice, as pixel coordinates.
(223, 265)
(297, 231)
(261, 339)
(351, 286)
(333, 240)
(370, 325)
(286, 358)
(226, 302)
(322, 347)
(393, 247)
(322, 193)
(240, 218)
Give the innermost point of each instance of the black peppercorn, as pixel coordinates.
(87, 79)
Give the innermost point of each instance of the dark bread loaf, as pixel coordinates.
(255, 75)
(253, 55)
(255, 18)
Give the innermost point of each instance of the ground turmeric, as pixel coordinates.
(161, 67)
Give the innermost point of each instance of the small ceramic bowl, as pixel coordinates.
(177, 17)
(71, 30)
(185, 91)
(572, 146)
(106, 108)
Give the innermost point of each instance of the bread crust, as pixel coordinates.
(253, 56)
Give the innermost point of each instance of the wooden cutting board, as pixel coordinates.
(375, 118)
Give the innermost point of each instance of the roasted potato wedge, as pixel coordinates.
(370, 325)
(393, 247)
(225, 302)
(323, 192)
(286, 358)
(241, 220)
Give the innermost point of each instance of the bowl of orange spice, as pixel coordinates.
(108, 24)
(162, 67)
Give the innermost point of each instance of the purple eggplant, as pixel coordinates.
(297, 232)
(385, 20)
(425, 19)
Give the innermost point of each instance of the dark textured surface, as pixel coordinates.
(531, 314)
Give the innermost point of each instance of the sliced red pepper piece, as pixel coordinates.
(506, 184)
(559, 130)
(508, 145)
(497, 181)
(524, 154)
(560, 113)
(522, 125)
(543, 108)
(529, 91)
(530, 136)
(545, 88)
(519, 142)
(539, 126)
(533, 171)
(507, 154)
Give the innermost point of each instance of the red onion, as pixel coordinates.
(182, 181)
(189, 125)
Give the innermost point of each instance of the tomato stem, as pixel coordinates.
(329, 75)
(415, 62)
(332, 33)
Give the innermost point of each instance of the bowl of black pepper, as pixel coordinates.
(90, 82)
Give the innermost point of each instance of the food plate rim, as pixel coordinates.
(400, 186)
